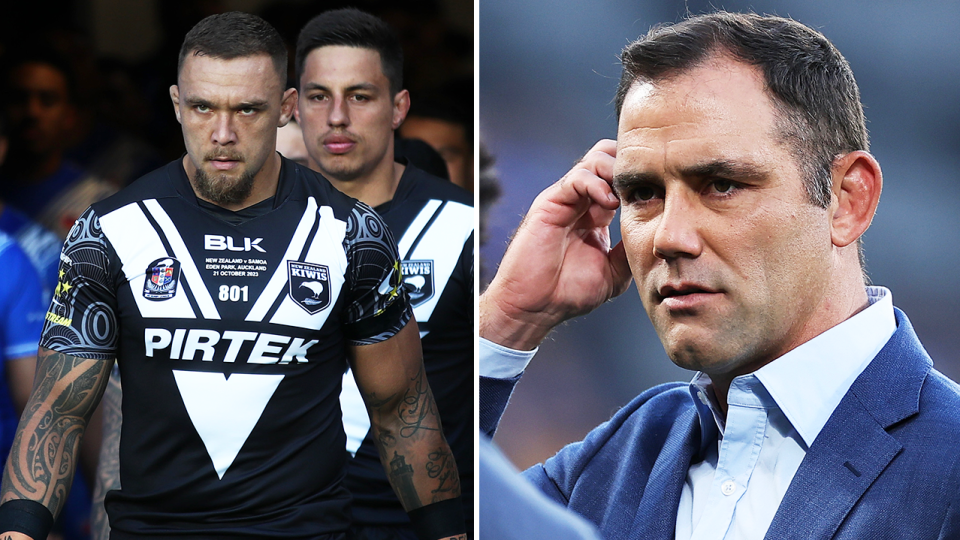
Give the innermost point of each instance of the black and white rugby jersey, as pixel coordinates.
(231, 341)
(433, 222)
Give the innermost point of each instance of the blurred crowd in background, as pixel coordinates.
(86, 110)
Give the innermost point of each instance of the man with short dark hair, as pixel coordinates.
(233, 287)
(349, 67)
(744, 184)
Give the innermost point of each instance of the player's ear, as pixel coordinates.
(175, 98)
(401, 106)
(857, 182)
(287, 106)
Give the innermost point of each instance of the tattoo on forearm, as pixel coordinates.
(43, 457)
(417, 407)
(442, 467)
(401, 478)
(410, 441)
(108, 467)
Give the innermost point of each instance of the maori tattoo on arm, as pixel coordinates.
(43, 459)
(108, 468)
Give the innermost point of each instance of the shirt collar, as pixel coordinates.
(808, 382)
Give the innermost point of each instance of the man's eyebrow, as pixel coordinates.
(195, 101)
(725, 169)
(351, 88)
(362, 86)
(624, 180)
(314, 86)
(255, 104)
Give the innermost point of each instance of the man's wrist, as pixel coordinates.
(522, 333)
(29, 518)
(439, 520)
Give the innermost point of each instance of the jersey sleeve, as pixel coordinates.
(82, 319)
(22, 303)
(377, 305)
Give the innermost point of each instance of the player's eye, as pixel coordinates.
(722, 186)
(639, 194)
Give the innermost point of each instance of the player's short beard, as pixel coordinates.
(222, 190)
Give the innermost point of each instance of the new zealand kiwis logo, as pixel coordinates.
(418, 280)
(309, 285)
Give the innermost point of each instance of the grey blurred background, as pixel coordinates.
(548, 71)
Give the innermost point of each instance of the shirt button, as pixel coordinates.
(728, 488)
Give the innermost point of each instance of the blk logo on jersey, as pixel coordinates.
(161, 279)
(418, 280)
(215, 242)
(309, 285)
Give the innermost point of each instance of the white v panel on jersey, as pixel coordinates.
(410, 236)
(189, 268)
(442, 244)
(326, 249)
(225, 410)
(138, 244)
(278, 281)
(356, 421)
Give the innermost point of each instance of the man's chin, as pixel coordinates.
(694, 349)
(335, 169)
(224, 187)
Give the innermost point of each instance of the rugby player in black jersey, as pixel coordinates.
(349, 66)
(233, 287)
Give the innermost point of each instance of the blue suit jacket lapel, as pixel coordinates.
(656, 517)
(854, 447)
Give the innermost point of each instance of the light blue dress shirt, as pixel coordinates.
(774, 415)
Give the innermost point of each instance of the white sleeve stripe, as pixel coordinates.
(278, 281)
(188, 266)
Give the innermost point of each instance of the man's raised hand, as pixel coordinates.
(559, 263)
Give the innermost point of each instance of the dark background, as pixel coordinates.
(124, 56)
(548, 71)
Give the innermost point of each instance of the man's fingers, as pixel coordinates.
(581, 185)
(600, 159)
(619, 269)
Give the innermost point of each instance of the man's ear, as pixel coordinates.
(401, 106)
(288, 105)
(857, 182)
(175, 98)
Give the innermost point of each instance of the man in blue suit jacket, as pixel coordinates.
(742, 172)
